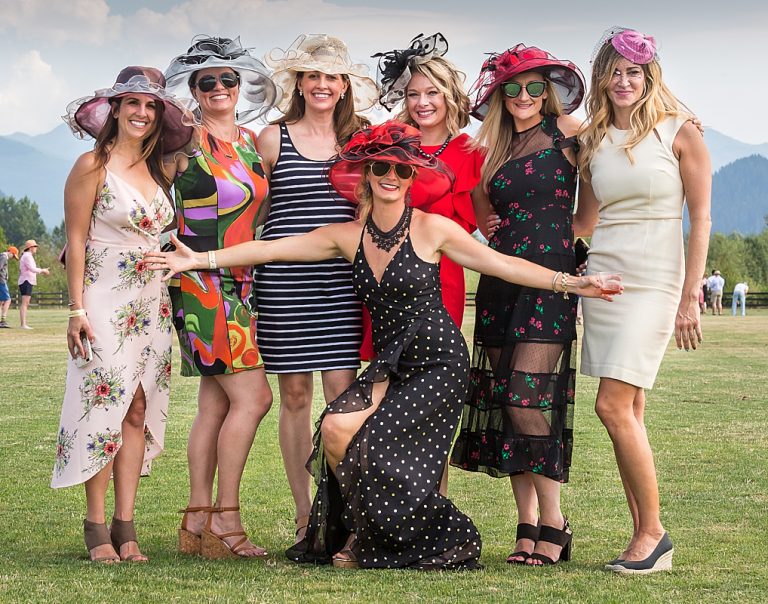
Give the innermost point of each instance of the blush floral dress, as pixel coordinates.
(130, 312)
(518, 415)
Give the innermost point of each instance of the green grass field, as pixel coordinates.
(707, 420)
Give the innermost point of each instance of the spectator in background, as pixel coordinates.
(703, 294)
(740, 297)
(28, 272)
(5, 295)
(716, 285)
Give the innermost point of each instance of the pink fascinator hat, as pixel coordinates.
(634, 46)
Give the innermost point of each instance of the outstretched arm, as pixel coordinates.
(464, 250)
(321, 244)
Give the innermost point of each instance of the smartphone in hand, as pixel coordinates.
(83, 361)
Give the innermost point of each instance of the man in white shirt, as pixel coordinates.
(740, 297)
(716, 285)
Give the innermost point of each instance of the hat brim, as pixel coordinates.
(86, 116)
(258, 93)
(565, 77)
(433, 175)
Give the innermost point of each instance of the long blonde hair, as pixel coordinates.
(497, 132)
(450, 81)
(656, 104)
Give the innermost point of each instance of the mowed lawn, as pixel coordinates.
(707, 419)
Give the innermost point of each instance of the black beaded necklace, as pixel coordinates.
(439, 151)
(389, 239)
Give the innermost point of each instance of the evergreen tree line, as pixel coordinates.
(737, 257)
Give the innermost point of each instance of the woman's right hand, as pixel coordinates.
(78, 326)
(492, 224)
(181, 260)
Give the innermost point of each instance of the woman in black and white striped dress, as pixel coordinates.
(309, 316)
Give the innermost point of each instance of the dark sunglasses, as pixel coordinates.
(382, 168)
(228, 79)
(513, 89)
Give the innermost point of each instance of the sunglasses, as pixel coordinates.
(513, 89)
(228, 79)
(382, 168)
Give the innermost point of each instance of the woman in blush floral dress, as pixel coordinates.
(518, 419)
(116, 204)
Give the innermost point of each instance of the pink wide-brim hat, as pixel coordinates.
(565, 77)
(86, 116)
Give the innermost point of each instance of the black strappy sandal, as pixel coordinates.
(562, 537)
(524, 531)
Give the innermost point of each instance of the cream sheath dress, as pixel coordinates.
(640, 234)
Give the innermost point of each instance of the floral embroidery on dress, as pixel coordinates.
(102, 448)
(102, 388)
(133, 270)
(104, 202)
(93, 262)
(141, 365)
(163, 370)
(132, 319)
(64, 444)
(165, 312)
(140, 221)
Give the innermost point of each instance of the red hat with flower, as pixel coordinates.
(392, 142)
(564, 76)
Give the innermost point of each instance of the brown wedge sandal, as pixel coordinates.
(189, 542)
(124, 531)
(213, 546)
(96, 534)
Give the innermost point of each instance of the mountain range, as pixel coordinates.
(37, 166)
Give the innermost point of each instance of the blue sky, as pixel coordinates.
(713, 53)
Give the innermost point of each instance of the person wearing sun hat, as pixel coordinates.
(28, 272)
(641, 162)
(518, 417)
(116, 204)
(221, 199)
(382, 507)
(426, 90)
(5, 294)
(319, 331)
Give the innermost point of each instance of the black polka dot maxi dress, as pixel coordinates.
(386, 487)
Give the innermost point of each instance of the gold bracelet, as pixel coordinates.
(212, 260)
(79, 312)
(71, 302)
(554, 281)
(564, 284)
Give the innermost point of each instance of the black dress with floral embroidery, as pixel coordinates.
(518, 414)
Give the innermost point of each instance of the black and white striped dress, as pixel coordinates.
(309, 316)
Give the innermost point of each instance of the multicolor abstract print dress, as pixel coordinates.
(519, 409)
(130, 313)
(309, 315)
(220, 199)
(387, 486)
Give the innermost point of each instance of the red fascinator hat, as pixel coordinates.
(392, 142)
(565, 77)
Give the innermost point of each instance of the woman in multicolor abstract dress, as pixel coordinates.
(518, 420)
(221, 197)
(116, 204)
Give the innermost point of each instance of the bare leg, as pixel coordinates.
(638, 410)
(127, 467)
(295, 433)
(212, 409)
(249, 401)
(23, 306)
(527, 513)
(95, 495)
(548, 494)
(615, 408)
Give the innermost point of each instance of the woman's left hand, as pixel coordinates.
(591, 287)
(178, 261)
(688, 325)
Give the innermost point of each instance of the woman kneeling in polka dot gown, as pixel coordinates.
(381, 447)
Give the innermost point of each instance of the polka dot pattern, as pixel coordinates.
(386, 488)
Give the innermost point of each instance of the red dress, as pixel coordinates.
(465, 163)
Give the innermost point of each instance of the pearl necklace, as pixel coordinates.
(439, 151)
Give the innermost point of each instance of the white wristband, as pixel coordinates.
(212, 260)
